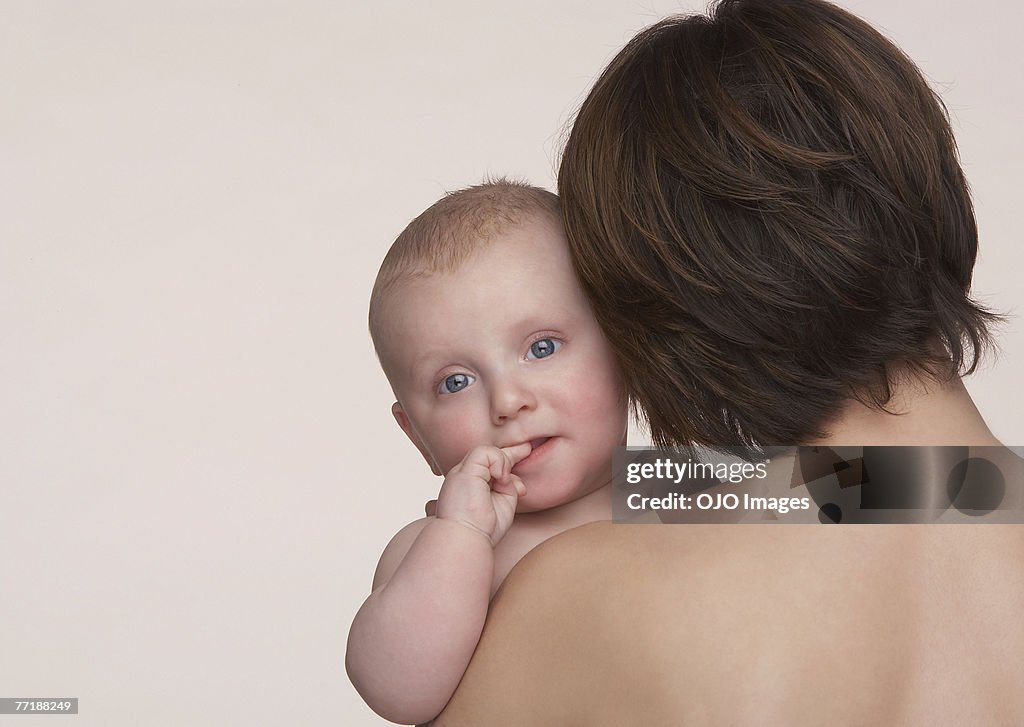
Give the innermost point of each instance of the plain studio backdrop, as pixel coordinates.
(198, 466)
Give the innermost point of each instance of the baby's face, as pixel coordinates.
(502, 351)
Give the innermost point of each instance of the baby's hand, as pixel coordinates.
(481, 492)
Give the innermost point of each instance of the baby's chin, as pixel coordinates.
(524, 508)
(545, 501)
(539, 503)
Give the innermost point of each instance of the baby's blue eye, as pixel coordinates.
(455, 383)
(543, 348)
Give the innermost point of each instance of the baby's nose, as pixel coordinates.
(509, 399)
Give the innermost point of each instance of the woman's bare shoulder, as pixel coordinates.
(582, 547)
(527, 666)
(538, 661)
(592, 558)
(578, 556)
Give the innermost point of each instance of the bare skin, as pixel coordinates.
(505, 384)
(912, 625)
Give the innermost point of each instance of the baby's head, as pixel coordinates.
(487, 339)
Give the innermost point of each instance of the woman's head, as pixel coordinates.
(767, 211)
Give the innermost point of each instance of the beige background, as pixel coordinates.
(198, 468)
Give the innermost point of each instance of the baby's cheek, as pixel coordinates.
(602, 413)
(603, 393)
(454, 440)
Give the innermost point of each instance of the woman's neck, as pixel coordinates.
(925, 413)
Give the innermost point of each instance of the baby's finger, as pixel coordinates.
(510, 456)
(485, 463)
(430, 508)
(517, 453)
(509, 485)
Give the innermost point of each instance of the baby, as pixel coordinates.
(506, 386)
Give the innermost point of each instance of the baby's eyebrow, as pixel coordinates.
(422, 364)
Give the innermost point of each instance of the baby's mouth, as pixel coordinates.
(538, 448)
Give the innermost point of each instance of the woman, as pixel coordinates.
(766, 209)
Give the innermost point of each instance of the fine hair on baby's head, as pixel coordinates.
(441, 238)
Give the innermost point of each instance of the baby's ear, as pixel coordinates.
(403, 421)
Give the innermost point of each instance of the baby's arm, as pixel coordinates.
(412, 639)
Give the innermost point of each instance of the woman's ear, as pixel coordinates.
(403, 421)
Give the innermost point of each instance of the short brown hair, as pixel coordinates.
(766, 209)
(444, 235)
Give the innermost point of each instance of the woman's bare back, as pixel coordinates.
(672, 625)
